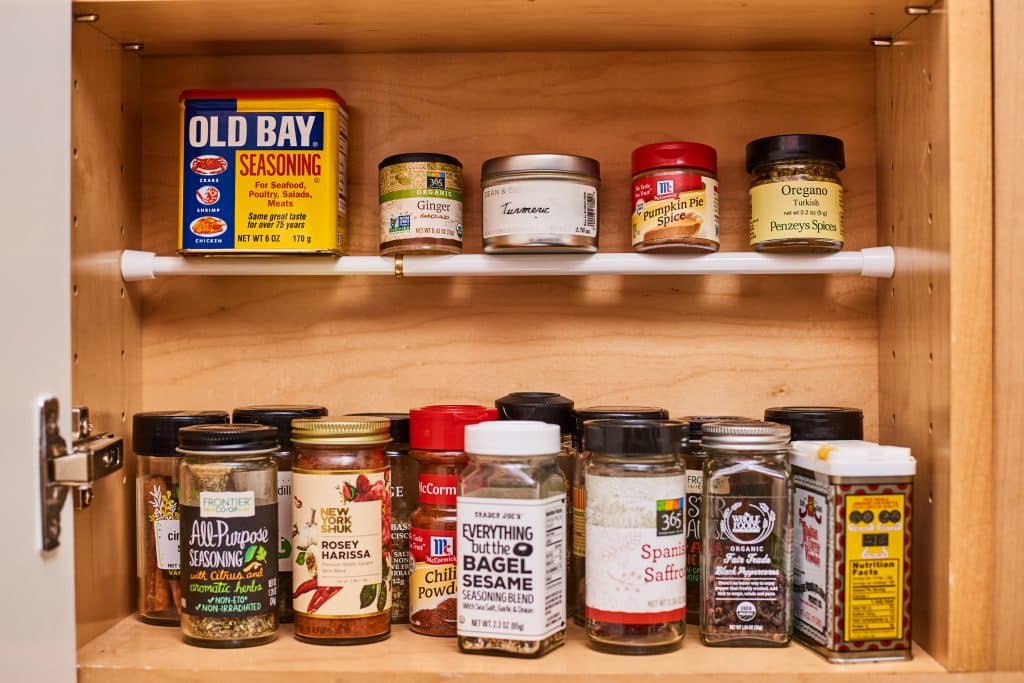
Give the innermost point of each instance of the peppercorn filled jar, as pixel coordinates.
(796, 196)
(437, 437)
(404, 477)
(157, 520)
(693, 460)
(579, 492)
(280, 417)
(341, 509)
(512, 537)
(229, 530)
(636, 536)
(747, 555)
(819, 423)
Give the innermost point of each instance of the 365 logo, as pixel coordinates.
(435, 180)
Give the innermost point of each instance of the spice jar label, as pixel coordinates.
(798, 209)
(811, 595)
(343, 522)
(694, 500)
(438, 489)
(579, 521)
(284, 521)
(874, 582)
(230, 568)
(636, 549)
(540, 207)
(747, 587)
(420, 199)
(432, 588)
(511, 567)
(671, 205)
(167, 533)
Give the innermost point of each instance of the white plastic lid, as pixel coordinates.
(853, 459)
(513, 437)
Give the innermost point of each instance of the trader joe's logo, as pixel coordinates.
(747, 523)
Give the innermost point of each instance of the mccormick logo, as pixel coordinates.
(227, 504)
(665, 187)
(435, 180)
(430, 488)
(441, 546)
(748, 524)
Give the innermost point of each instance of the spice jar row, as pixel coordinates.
(259, 174)
(665, 515)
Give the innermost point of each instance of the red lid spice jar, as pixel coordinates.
(437, 437)
(341, 512)
(675, 197)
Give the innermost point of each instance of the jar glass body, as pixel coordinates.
(790, 185)
(626, 495)
(157, 528)
(537, 478)
(253, 480)
(404, 487)
(747, 523)
(675, 225)
(433, 586)
(343, 481)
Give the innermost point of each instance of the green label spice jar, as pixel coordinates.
(420, 204)
(511, 540)
(796, 197)
(229, 531)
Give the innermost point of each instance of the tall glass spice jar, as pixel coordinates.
(229, 531)
(404, 478)
(579, 492)
(636, 536)
(437, 437)
(693, 460)
(280, 417)
(341, 508)
(796, 196)
(511, 540)
(747, 554)
(157, 520)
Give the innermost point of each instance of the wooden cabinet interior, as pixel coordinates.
(911, 352)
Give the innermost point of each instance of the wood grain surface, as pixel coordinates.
(267, 26)
(106, 314)
(694, 344)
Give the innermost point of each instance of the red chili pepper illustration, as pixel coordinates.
(321, 596)
(305, 587)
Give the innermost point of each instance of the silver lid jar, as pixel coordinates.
(540, 203)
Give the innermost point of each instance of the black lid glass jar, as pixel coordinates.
(229, 535)
(280, 417)
(157, 515)
(819, 423)
(796, 197)
(747, 552)
(636, 536)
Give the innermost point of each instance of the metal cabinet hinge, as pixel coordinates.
(61, 470)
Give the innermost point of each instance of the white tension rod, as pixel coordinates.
(873, 262)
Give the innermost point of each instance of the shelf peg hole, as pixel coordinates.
(892, 292)
(929, 149)
(894, 354)
(931, 427)
(122, 292)
(123, 354)
(894, 418)
(930, 218)
(122, 231)
(931, 288)
(929, 497)
(123, 416)
(132, 47)
(74, 358)
(74, 290)
(89, 18)
(74, 152)
(931, 357)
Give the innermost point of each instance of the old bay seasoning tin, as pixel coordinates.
(852, 549)
(262, 172)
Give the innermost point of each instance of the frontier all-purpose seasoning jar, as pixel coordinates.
(636, 536)
(540, 203)
(437, 437)
(579, 492)
(420, 204)
(280, 417)
(675, 197)
(796, 197)
(229, 535)
(511, 540)
(404, 478)
(157, 521)
(341, 509)
(747, 552)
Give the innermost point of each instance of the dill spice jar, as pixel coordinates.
(280, 417)
(420, 204)
(796, 197)
(579, 492)
(675, 197)
(404, 477)
(511, 540)
(229, 531)
(437, 437)
(636, 536)
(157, 522)
(747, 553)
(341, 509)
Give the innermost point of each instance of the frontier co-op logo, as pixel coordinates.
(747, 523)
(227, 503)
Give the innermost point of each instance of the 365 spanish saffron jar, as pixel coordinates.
(262, 172)
(796, 197)
(675, 197)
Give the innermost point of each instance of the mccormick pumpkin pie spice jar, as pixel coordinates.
(675, 197)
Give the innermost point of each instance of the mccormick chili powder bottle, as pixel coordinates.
(437, 437)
